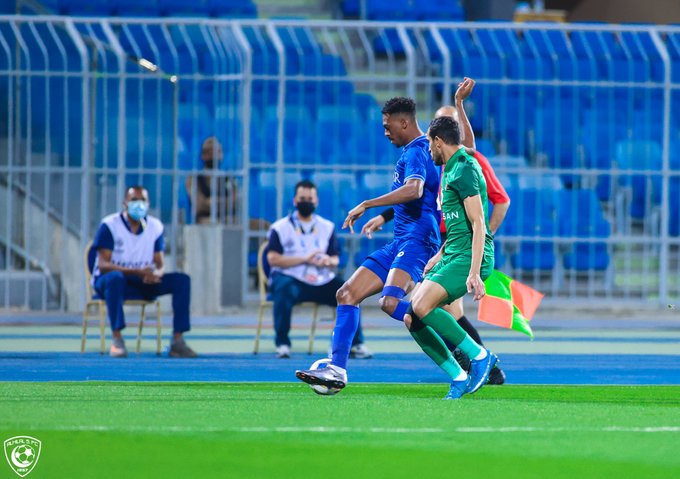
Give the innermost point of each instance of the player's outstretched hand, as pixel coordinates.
(464, 89)
(476, 285)
(374, 224)
(356, 213)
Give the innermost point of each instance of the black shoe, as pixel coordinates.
(462, 359)
(496, 376)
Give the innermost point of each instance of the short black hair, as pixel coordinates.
(445, 128)
(304, 184)
(400, 104)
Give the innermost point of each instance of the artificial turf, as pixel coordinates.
(283, 430)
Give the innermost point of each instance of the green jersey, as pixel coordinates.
(463, 178)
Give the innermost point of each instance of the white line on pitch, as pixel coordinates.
(359, 430)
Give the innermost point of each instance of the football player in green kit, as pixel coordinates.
(464, 261)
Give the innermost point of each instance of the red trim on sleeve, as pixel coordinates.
(494, 188)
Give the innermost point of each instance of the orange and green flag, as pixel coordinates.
(508, 303)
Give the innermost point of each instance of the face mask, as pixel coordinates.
(137, 209)
(209, 165)
(305, 208)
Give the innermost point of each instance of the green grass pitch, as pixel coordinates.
(257, 430)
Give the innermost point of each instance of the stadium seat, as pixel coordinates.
(181, 8)
(440, 11)
(538, 255)
(580, 215)
(337, 194)
(136, 8)
(674, 206)
(499, 256)
(96, 302)
(486, 148)
(100, 8)
(646, 188)
(232, 8)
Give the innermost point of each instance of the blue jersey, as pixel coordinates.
(417, 219)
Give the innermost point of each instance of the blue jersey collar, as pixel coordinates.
(415, 140)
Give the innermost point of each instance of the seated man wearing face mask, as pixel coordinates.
(129, 265)
(303, 254)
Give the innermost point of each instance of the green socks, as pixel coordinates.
(434, 347)
(446, 326)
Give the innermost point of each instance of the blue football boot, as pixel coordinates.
(458, 388)
(479, 371)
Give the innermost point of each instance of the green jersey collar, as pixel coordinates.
(450, 163)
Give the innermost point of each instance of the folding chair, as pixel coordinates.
(96, 302)
(265, 302)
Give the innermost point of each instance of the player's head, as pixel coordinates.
(443, 134)
(136, 202)
(306, 198)
(447, 110)
(211, 153)
(399, 119)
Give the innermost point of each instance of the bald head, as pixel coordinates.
(447, 110)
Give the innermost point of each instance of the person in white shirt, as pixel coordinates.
(130, 265)
(303, 254)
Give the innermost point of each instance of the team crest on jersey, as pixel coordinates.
(396, 176)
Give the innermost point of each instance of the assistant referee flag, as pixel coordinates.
(508, 303)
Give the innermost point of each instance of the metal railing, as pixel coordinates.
(579, 121)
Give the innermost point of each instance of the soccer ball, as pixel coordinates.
(318, 388)
(24, 455)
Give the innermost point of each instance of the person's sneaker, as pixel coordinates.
(118, 349)
(480, 369)
(360, 352)
(458, 388)
(462, 359)
(283, 351)
(496, 376)
(330, 376)
(179, 349)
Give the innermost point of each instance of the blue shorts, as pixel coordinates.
(410, 255)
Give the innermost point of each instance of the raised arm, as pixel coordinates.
(467, 136)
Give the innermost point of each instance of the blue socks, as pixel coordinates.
(346, 324)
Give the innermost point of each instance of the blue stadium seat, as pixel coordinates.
(646, 188)
(550, 182)
(337, 194)
(101, 8)
(499, 256)
(439, 11)
(136, 8)
(539, 255)
(587, 257)
(580, 214)
(232, 8)
(674, 206)
(485, 147)
(366, 247)
(510, 161)
(372, 185)
(365, 102)
(673, 44)
(182, 8)
(532, 212)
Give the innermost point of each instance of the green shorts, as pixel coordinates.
(452, 272)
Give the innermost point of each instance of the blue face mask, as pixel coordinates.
(137, 209)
